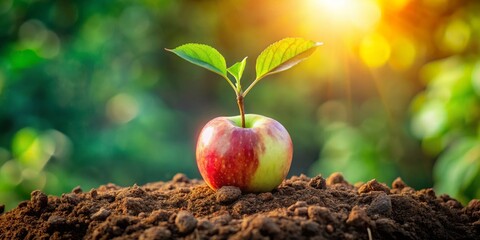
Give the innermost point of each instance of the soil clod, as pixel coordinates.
(185, 222)
(101, 214)
(77, 190)
(319, 214)
(228, 194)
(56, 222)
(38, 200)
(335, 178)
(180, 177)
(373, 185)
(266, 196)
(310, 228)
(358, 217)
(318, 182)
(156, 233)
(398, 184)
(381, 205)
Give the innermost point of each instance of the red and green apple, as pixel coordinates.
(255, 158)
(249, 151)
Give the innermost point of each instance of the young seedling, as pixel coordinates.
(249, 151)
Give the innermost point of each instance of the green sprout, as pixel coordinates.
(277, 57)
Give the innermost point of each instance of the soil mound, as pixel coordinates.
(300, 208)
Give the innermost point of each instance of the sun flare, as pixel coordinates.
(361, 14)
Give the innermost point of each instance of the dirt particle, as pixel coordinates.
(473, 209)
(39, 200)
(2, 208)
(318, 182)
(373, 185)
(56, 222)
(133, 206)
(228, 194)
(452, 203)
(270, 227)
(298, 185)
(77, 190)
(398, 184)
(335, 178)
(310, 228)
(156, 233)
(301, 211)
(107, 197)
(318, 213)
(267, 196)
(70, 198)
(429, 192)
(158, 216)
(121, 222)
(243, 207)
(223, 219)
(348, 236)
(101, 214)
(185, 222)
(286, 190)
(474, 205)
(329, 228)
(93, 194)
(296, 205)
(204, 224)
(132, 192)
(381, 205)
(358, 217)
(23, 204)
(384, 223)
(266, 226)
(227, 230)
(180, 177)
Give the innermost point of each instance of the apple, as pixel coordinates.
(255, 158)
(248, 151)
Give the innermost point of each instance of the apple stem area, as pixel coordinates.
(241, 107)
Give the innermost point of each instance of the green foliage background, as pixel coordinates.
(89, 96)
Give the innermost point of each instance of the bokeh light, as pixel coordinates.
(374, 50)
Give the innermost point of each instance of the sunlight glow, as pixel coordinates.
(395, 5)
(336, 6)
(361, 14)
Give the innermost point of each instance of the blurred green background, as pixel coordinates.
(89, 96)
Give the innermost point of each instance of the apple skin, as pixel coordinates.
(255, 159)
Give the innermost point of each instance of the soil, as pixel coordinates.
(300, 208)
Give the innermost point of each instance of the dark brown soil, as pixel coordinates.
(301, 208)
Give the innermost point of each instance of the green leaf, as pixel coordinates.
(283, 55)
(237, 69)
(203, 56)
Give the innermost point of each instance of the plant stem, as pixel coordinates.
(251, 86)
(230, 83)
(241, 107)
